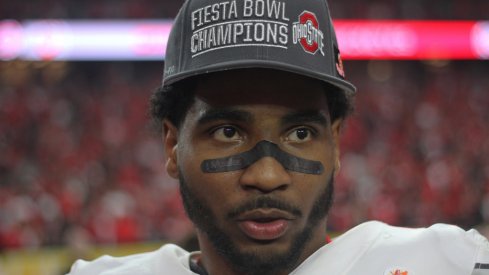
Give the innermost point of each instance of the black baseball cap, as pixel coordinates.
(290, 35)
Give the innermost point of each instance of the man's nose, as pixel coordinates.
(265, 175)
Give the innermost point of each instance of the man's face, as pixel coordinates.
(262, 216)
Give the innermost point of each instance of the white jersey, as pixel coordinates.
(372, 248)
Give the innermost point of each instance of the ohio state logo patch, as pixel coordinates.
(307, 33)
(397, 271)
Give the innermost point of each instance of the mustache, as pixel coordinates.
(264, 202)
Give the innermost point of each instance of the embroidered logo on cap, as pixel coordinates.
(306, 32)
(229, 24)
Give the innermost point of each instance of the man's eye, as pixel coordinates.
(299, 135)
(226, 133)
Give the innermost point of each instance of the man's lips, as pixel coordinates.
(265, 224)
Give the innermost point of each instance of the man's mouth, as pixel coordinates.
(265, 224)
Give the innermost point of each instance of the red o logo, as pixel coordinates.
(304, 18)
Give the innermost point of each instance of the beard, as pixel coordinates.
(252, 262)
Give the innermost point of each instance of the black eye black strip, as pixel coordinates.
(262, 149)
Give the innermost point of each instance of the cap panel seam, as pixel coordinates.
(181, 65)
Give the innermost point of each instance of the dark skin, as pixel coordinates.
(232, 112)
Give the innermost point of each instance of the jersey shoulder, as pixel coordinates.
(445, 237)
(377, 248)
(408, 235)
(169, 259)
(440, 248)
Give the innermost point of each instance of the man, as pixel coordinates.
(251, 108)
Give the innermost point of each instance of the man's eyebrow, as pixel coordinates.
(307, 116)
(224, 114)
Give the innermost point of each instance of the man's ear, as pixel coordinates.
(336, 131)
(170, 141)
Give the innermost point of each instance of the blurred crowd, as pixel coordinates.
(77, 152)
(135, 9)
(78, 155)
(416, 150)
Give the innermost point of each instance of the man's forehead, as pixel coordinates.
(249, 115)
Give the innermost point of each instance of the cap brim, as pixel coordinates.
(268, 64)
